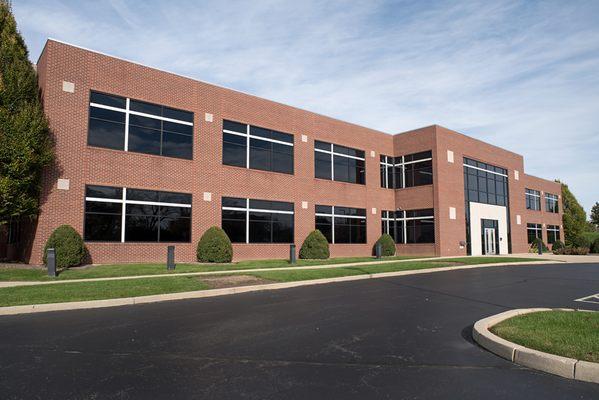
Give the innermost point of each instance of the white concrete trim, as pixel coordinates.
(551, 363)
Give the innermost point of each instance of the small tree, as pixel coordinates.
(215, 246)
(69, 247)
(387, 244)
(25, 147)
(574, 218)
(315, 246)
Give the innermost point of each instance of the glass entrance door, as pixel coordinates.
(490, 244)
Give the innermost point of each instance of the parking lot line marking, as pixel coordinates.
(594, 298)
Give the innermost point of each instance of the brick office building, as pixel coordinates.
(146, 159)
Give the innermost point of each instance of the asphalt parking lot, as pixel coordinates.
(402, 337)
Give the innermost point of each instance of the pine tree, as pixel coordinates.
(575, 221)
(595, 215)
(25, 144)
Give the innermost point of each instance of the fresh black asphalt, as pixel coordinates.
(392, 338)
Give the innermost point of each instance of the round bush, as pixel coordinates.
(215, 246)
(595, 247)
(69, 247)
(315, 246)
(387, 244)
(557, 247)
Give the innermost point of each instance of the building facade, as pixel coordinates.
(147, 159)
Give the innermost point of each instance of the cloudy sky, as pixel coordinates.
(519, 74)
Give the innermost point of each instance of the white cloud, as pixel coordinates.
(522, 75)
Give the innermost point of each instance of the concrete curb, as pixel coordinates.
(81, 305)
(553, 364)
(4, 284)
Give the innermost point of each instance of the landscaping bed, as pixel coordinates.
(572, 334)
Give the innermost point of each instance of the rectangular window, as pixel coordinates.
(551, 203)
(257, 221)
(339, 163)
(125, 124)
(533, 200)
(553, 234)
(253, 147)
(534, 231)
(413, 226)
(406, 171)
(485, 183)
(135, 215)
(341, 224)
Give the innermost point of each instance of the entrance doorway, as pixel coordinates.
(490, 236)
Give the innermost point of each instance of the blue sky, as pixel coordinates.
(523, 75)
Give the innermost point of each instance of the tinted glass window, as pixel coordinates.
(322, 165)
(107, 100)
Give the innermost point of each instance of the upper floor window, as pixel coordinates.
(533, 200)
(252, 147)
(114, 214)
(339, 163)
(125, 124)
(485, 183)
(341, 224)
(257, 221)
(553, 234)
(406, 171)
(551, 203)
(534, 232)
(410, 226)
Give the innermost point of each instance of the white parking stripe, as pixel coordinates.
(594, 298)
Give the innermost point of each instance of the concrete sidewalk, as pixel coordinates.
(532, 257)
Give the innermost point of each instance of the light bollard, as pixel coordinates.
(51, 262)
(170, 258)
(292, 258)
(378, 250)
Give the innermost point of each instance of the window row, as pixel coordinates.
(406, 171)
(253, 147)
(341, 224)
(125, 124)
(114, 214)
(535, 231)
(339, 163)
(409, 226)
(485, 183)
(533, 201)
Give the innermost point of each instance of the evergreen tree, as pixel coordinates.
(575, 221)
(25, 144)
(595, 215)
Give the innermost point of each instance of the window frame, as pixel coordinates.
(123, 201)
(128, 112)
(333, 216)
(538, 228)
(386, 217)
(399, 164)
(555, 232)
(551, 199)
(532, 195)
(248, 138)
(247, 210)
(334, 154)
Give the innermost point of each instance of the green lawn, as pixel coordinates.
(573, 334)
(106, 271)
(80, 291)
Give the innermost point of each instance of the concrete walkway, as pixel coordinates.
(533, 257)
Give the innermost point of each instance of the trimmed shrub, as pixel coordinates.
(572, 251)
(69, 246)
(595, 247)
(315, 246)
(557, 246)
(387, 243)
(215, 246)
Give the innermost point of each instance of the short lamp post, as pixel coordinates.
(51, 262)
(292, 259)
(170, 258)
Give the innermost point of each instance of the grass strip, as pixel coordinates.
(81, 291)
(573, 334)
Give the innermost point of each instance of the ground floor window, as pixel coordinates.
(341, 224)
(115, 214)
(410, 226)
(534, 232)
(257, 221)
(553, 234)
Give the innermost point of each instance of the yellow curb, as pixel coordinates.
(551, 363)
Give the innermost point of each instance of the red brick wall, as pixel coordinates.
(81, 164)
